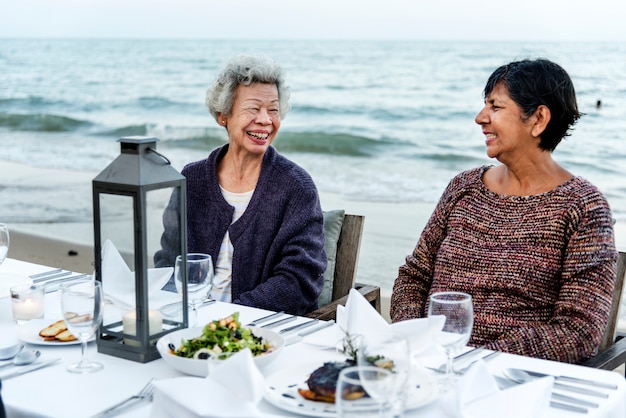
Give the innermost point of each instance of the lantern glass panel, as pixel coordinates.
(120, 275)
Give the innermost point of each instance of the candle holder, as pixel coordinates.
(27, 302)
(133, 198)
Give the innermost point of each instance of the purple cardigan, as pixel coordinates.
(278, 258)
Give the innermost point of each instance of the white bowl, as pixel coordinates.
(200, 367)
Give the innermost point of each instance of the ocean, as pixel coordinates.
(373, 121)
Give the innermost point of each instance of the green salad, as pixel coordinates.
(220, 339)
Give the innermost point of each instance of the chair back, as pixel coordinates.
(347, 259)
(609, 333)
(346, 262)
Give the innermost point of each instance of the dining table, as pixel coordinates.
(54, 392)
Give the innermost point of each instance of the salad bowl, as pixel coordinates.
(200, 367)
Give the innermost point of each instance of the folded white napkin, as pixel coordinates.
(119, 281)
(360, 318)
(477, 396)
(232, 389)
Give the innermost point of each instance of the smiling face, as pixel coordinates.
(508, 133)
(254, 120)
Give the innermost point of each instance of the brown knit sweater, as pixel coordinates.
(540, 269)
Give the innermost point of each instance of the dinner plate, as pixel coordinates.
(8, 280)
(29, 333)
(196, 367)
(282, 391)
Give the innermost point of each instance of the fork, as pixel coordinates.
(461, 371)
(145, 394)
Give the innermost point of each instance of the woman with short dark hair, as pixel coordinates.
(532, 243)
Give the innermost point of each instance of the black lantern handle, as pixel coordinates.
(167, 160)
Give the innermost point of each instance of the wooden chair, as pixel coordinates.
(348, 247)
(612, 351)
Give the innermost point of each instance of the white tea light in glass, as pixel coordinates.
(81, 306)
(27, 302)
(129, 324)
(199, 279)
(456, 311)
(4, 242)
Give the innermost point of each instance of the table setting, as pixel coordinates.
(245, 385)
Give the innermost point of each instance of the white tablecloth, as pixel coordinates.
(54, 392)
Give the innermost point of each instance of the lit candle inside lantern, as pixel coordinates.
(29, 308)
(129, 324)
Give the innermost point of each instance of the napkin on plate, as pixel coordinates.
(477, 396)
(232, 389)
(359, 317)
(119, 281)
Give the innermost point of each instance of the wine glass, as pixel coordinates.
(82, 306)
(4, 242)
(455, 311)
(362, 391)
(199, 279)
(391, 353)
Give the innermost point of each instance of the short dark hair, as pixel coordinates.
(531, 83)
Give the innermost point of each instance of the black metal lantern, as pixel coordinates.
(131, 200)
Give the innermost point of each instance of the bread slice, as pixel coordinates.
(51, 331)
(65, 336)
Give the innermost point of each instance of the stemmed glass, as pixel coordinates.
(456, 312)
(391, 353)
(82, 306)
(199, 279)
(362, 392)
(4, 242)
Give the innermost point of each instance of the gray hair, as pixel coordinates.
(245, 70)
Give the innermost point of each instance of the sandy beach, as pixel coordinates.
(390, 232)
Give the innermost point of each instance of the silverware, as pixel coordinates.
(28, 369)
(557, 398)
(566, 407)
(318, 328)
(443, 368)
(299, 326)
(54, 284)
(469, 353)
(521, 377)
(280, 322)
(145, 394)
(47, 277)
(45, 273)
(573, 380)
(265, 318)
(300, 336)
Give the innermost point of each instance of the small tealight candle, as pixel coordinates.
(129, 325)
(27, 303)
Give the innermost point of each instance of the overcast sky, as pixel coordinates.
(550, 20)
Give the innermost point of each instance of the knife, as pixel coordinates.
(580, 390)
(45, 273)
(51, 276)
(299, 326)
(594, 383)
(265, 319)
(299, 337)
(280, 322)
(28, 369)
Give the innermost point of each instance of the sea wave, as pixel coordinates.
(40, 122)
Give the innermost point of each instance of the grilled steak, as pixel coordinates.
(323, 381)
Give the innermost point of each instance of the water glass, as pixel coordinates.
(27, 302)
(199, 279)
(82, 309)
(4, 242)
(392, 353)
(361, 392)
(457, 313)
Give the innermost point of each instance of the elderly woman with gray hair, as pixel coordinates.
(254, 211)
